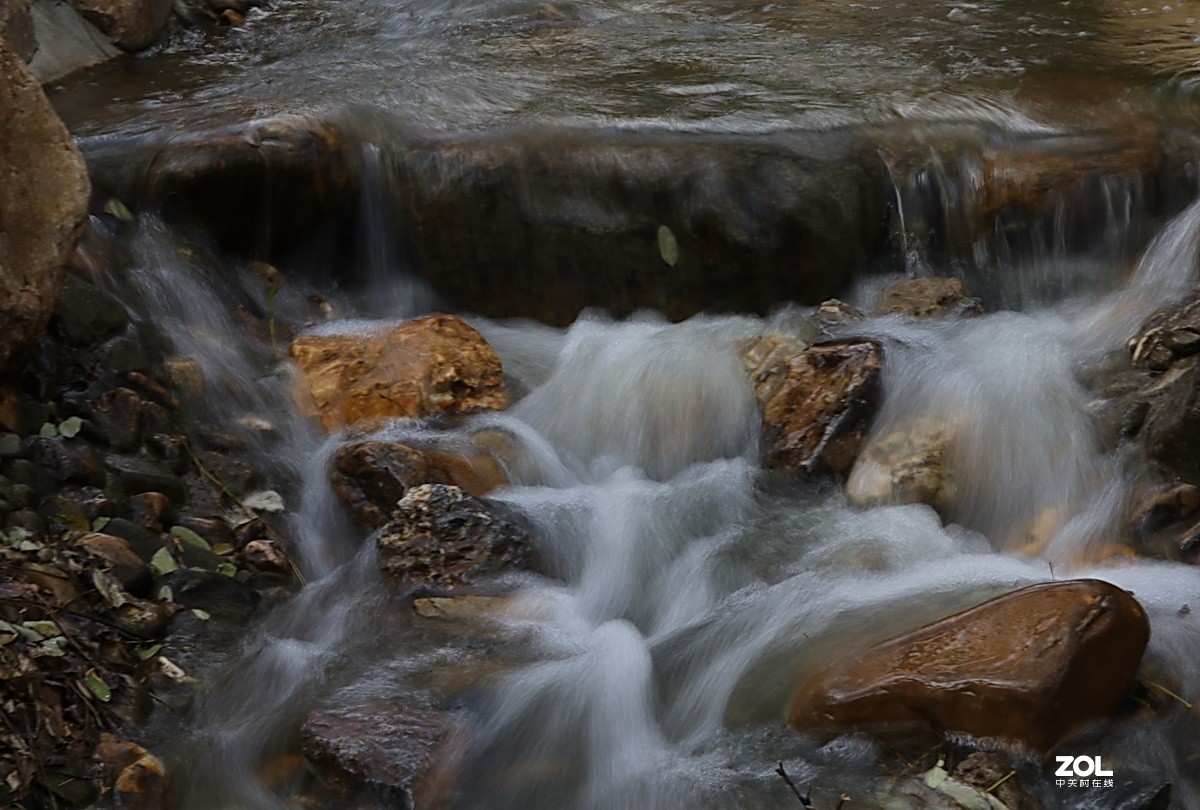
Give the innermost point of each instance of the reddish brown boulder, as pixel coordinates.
(43, 207)
(817, 402)
(371, 477)
(131, 24)
(432, 365)
(406, 754)
(1029, 667)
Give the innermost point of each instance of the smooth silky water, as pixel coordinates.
(690, 591)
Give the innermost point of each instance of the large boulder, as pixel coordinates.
(16, 28)
(432, 365)
(370, 477)
(43, 207)
(131, 24)
(817, 402)
(441, 536)
(1028, 667)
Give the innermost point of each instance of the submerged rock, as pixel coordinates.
(432, 365)
(405, 755)
(1029, 667)
(907, 465)
(43, 208)
(817, 402)
(928, 298)
(440, 535)
(371, 477)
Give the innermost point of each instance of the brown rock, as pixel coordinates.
(440, 535)
(1167, 506)
(16, 28)
(43, 207)
(1028, 173)
(1029, 666)
(150, 510)
(261, 188)
(907, 465)
(371, 477)
(817, 402)
(406, 754)
(140, 781)
(1167, 335)
(132, 25)
(928, 298)
(463, 606)
(122, 562)
(187, 377)
(142, 785)
(432, 365)
(118, 415)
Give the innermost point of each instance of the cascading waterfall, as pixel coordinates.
(694, 589)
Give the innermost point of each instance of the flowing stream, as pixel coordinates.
(692, 590)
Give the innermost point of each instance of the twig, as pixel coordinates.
(845, 797)
(1002, 780)
(246, 509)
(805, 798)
(1168, 692)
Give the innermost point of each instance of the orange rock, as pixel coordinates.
(1029, 667)
(817, 402)
(431, 365)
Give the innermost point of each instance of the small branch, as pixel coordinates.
(1002, 780)
(246, 509)
(805, 798)
(1168, 692)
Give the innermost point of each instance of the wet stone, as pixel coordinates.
(928, 298)
(145, 543)
(817, 403)
(371, 477)
(133, 476)
(69, 461)
(30, 474)
(440, 535)
(11, 446)
(432, 365)
(120, 560)
(215, 593)
(150, 510)
(404, 754)
(1027, 667)
(86, 315)
(910, 464)
(118, 417)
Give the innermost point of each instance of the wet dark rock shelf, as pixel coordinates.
(546, 224)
